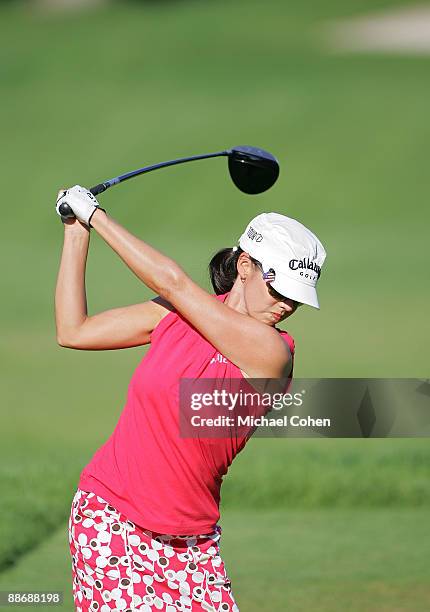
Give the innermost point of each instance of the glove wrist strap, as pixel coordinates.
(91, 216)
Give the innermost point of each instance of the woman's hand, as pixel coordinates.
(81, 201)
(71, 224)
(74, 227)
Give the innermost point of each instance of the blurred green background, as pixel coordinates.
(313, 524)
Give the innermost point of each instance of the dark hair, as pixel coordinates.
(223, 269)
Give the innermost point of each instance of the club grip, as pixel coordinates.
(67, 212)
(98, 189)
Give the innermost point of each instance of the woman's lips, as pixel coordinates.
(275, 316)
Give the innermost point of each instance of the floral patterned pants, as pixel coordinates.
(119, 566)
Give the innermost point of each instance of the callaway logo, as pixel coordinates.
(253, 235)
(305, 264)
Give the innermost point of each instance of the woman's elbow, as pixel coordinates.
(173, 282)
(66, 340)
(61, 341)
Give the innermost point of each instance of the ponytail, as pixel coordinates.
(223, 269)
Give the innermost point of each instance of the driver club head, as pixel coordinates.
(252, 170)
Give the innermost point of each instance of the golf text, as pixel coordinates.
(230, 401)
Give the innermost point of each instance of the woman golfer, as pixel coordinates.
(143, 527)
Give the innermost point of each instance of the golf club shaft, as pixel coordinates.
(66, 211)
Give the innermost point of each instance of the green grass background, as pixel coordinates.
(308, 524)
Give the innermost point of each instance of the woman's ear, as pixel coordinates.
(244, 266)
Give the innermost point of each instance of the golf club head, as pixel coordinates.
(252, 170)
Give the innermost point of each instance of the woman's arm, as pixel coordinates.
(255, 348)
(70, 295)
(112, 329)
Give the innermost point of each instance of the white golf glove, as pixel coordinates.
(81, 201)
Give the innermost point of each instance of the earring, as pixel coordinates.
(243, 279)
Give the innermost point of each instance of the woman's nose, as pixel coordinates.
(286, 305)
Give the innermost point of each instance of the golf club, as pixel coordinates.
(252, 170)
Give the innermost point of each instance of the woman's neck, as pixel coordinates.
(235, 299)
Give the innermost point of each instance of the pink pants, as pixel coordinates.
(119, 566)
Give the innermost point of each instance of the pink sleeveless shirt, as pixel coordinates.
(160, 481)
